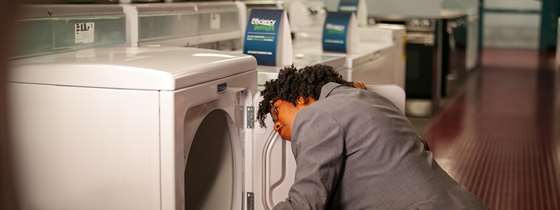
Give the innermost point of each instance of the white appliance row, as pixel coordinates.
(145, 128)
(155, 127)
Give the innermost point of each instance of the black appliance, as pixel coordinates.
(431, 56)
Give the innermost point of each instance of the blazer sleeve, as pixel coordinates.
(318, 144)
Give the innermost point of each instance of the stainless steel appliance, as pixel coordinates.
(430, 51)
(423, 66)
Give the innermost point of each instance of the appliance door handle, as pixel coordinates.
(268, 185)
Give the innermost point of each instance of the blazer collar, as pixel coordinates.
(327, 89)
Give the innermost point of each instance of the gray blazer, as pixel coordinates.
(355, 150)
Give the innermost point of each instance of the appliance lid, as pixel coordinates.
(143, 68)
(69, 10)
(367, 51)
(338, 62)
(166, 8)
(216, 6)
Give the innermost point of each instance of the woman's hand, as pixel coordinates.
(360, 85)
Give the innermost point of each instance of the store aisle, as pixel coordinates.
(500, 137)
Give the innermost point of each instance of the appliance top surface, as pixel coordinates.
(158, 68)
(68, 10)
(307, 59)
(366, 49)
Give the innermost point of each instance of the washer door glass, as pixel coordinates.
(209, 175)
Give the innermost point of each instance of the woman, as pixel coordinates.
(354, 149)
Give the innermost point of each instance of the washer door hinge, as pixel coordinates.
(250, 201)
(250, 117)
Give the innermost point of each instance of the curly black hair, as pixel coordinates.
(293, 83)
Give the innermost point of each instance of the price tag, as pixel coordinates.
(84, 33)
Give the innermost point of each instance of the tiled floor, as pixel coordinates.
(500, 136)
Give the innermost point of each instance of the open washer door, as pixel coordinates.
(210, 173)
(208, 148)
(273, 165)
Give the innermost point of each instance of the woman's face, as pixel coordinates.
(284, 113)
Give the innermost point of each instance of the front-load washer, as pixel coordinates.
(279, 152)
(132, 128)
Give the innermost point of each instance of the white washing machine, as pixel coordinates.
(338, 62)
(270, 165)
(393, 58)
(379, 58)
(270, 159)
(132, 128)
(372, 63)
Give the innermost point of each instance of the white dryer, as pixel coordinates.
(132, 128)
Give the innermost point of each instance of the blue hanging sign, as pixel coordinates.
(261, 36)
(348, 5)
(335, 31)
